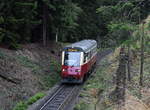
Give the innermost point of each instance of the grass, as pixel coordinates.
(21, 106)
(25, 61)
(96, 85)
(24, 105)
(35, 98)
(100, 78)
(134, 86)
(81, 106)
(49, 80)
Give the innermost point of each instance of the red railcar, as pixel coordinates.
(78, 59)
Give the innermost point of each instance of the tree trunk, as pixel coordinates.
(129, 63)
(44, 23)
(56, 35)
(142, 56)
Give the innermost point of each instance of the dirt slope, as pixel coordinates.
(22, 72)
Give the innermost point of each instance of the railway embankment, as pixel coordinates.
(26, 74)
(99, 91)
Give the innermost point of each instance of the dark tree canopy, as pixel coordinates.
(71, 20)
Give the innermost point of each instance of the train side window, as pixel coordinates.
(94, 50)
(89, 55)
(85, 57)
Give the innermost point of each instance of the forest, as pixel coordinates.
(33, 32)
(110, 22)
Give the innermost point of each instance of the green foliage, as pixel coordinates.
(50, 80)
(120, 19)
(21, 106)
(25, 61)
(120, 26)
(35, 98)
(1, 19)
(99, 80)
(81, 106)
(21, 21)
(122, 31)
(24, 105)
(97, 86)
(68, 13)
(105, 13)
(55, 65)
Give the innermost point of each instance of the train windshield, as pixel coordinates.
(72, 58)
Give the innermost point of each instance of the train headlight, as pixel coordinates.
(64, 70)
(77, 70)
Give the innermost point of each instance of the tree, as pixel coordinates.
(21, 21)
(142, 56)
(44, 23)
(121, 12)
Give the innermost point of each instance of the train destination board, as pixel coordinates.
(72, 50)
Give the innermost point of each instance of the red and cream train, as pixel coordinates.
(78, 59)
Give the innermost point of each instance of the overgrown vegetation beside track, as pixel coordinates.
(99, 91)
(23, 105)
(50, 81)
(97, 85)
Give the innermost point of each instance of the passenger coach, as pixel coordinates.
(78, 59)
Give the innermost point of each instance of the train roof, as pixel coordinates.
(85, 45)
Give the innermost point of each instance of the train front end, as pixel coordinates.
(72, 59)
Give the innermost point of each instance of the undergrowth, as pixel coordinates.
(23, 105)
(25, 61)
(50, 80)
(95, 86)
(81, 106)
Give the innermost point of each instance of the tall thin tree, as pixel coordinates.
(44, 23)
(129, 63)
(142, 56)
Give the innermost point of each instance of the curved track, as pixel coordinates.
(65, 95)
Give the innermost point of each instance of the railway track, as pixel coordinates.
(64, 96)
(61, 98)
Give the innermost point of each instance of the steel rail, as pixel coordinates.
(51, 98)
(69, 97)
